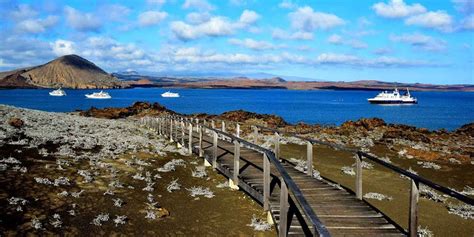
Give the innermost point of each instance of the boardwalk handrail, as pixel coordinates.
(318, 226)
(374, 158)
(415, 179)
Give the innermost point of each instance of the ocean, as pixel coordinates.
(435, 110)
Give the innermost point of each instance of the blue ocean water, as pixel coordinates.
(435, 110)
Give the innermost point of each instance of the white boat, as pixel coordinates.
(58, 92)
(170, 94)
(99, 95)
(394, 97)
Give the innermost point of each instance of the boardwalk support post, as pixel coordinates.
(171, 130)
(183, 127)
(413, 216)
(283, 228)
(223, 126)
(277, 145)
(190, 139)
(200, 141)
(255, 134)
(266, 182)
(237, 130)
(213, 124)
(309, 158)
(214, 151)
(358, 184)
(234, 182)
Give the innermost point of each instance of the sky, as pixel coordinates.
(425, 41)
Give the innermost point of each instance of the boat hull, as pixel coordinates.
(98, 98)
(57, 94)
(392, 102)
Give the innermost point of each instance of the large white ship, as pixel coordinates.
(394, 97)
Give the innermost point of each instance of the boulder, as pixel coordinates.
(367, 123)
(16, 122)
(467, 129)
(405, 134)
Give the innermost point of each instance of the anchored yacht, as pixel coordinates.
(170, 94)
(394, 97)
(99, 95)
(58, 92)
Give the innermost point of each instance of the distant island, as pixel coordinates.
(73, 71)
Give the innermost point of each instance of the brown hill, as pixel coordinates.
(70, 71)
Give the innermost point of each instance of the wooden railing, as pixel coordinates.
(273, 157)
(416, 180)
(288, 188)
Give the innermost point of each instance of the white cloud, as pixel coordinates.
(438, 20)
(397, 9)
(383, 51)
(115, 12)
(150, 18)
(420, 41)
(248, 17)
(254, 44)
(36, 25)
(354, 43)
(82, 21)
(198, 17)
(281, 34)
(287, 4)
(215, 26)
(379, 62)
(63, 47)
(305, 19)
(23, 11)
(202, 5)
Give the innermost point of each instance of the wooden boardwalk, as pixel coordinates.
(312, 207)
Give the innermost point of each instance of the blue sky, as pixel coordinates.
(427, 41)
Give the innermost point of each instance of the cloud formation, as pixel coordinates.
(150, 18)
(82, 21)
(397, 9)
(307, 20)
(420, 41)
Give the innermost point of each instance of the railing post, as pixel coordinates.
(358, 184)
(190, 139)
(214, 151)
(277, 146)
(223, 126)
(171, 130)
(237, 130)
(413, 216)
(255, 134)
(213, 124)
(309, 158)
(283, 228)
(182, 132)
(236, 163)
(266, 182)
(200, 141)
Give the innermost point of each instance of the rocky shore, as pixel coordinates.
(68, 174)
(456, 147)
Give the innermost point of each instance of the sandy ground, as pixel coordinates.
(68, 175)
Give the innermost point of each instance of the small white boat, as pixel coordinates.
(58, 92)
(394, 97)
(170, 94)
(99, 95)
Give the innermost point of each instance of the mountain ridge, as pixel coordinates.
(69, 71)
